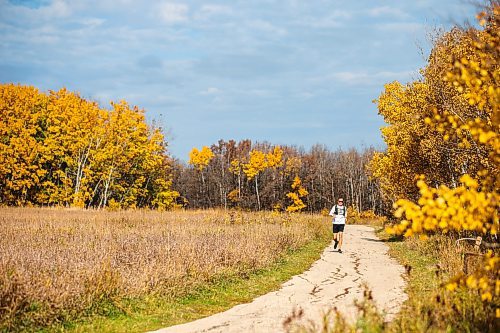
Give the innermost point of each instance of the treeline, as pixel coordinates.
(60, 149)
(260, 175)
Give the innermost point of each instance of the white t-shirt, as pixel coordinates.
(339, 217)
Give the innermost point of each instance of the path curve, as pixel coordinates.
(335, 280)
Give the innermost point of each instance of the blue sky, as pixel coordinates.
(289, 71)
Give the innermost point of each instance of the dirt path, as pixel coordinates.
(335, 280)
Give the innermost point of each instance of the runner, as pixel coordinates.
(339, 213)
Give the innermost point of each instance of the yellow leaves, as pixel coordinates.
(409, 146)
(469, 182)
(275, 158)
(256, 164)
(234, 195)
(165, 199)
(451, 286)
(296, 183)
(461, 208)
(236, 166)
(485, 279)
(75, 152)
(302, 192)
(200, 159)
(259, 161)
(292, 165)
(485, 137)
(486, 296)
(298, 192)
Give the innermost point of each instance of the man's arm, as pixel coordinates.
(332, 211)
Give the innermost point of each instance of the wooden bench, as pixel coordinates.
(466, 255)
(478, 244)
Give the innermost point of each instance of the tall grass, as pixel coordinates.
(431, 263)
(58, 265)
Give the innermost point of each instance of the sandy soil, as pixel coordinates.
(335, 280)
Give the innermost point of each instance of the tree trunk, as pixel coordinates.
(257, 191)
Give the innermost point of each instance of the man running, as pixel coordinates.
(339, 213)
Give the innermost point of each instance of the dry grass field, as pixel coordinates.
(58, 264)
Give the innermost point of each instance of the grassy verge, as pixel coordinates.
(422, 282)
(138, 315)
(430, 308)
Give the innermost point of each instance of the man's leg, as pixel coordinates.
(335, 237)
(340, 239)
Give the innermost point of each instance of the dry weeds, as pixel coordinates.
(57, 264)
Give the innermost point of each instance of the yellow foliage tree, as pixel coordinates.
(236, 167)
(200, 160)
(403, 108)
(414, 147)
(75, 136)
(298, 192)
(60, 149)
(256, 164)
(473, 204)
(22, 110)
(275, 157)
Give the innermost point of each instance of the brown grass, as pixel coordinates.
(59, 264)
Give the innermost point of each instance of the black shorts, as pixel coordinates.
(338, 228)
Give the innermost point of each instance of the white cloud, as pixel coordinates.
(387, 11)
(211, 91)
(208, 11)
(291, 125)
(341, 14)
(265, 26)
(93, 22)
(401, 26)
(257, 92)
(306, 95)
(332, 20)
(230, 55)
(173, 13)
(56, 10)
(351, 77)
(364, 77)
